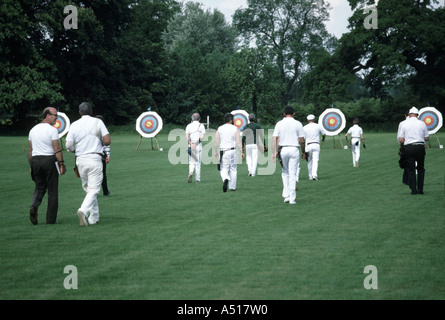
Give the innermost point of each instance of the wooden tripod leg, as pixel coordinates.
(139, 143)
(157, 143)
(339, 136)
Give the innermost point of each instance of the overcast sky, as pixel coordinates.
(337, 25)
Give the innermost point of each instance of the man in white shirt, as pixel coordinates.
(85, 138)
(194, 133)
(413, 134)
(288, 136)
(356, 134)
(312, 131)
(227, 138)
(43, 153)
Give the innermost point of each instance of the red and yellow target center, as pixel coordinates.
(238, 123)
(149, 124)
(332, 122)
(57, 125)
(428, 120)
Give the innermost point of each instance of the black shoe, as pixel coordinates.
(107, 193)
(33, 215)
(225, 185)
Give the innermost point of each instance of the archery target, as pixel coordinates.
(432, 118)
(149, 124)
(240, 119)
(62, 124)
(333, 121)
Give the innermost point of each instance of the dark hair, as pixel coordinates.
(228, 117)
(289, 110)
(85, 108)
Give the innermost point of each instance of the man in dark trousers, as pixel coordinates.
(413, 134)
(45, 156)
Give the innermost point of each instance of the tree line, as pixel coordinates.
(126, 56)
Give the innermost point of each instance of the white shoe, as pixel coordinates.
(83, 222)
(189, 180)
(292, 202)
(286, 200)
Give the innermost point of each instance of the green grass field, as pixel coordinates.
(160, 238)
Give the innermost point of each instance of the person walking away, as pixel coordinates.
(46, 161)
(413, 134)
(86, 138)
(312, 133)
(227, 138)
(356, 133)
(194, 133)
(253, 141)
(288, 137)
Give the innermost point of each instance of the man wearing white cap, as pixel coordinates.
(356, 133)
(413, 134)
(312, 132)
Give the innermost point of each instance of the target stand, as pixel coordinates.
(149, 124)
(152, 147)
(433, 120)
(341, 142)
(333, 122)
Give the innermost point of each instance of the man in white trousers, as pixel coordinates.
(312, 132)
(356, 134)
(227, 138)
(194, 133)
(85, 138)
(288, 136)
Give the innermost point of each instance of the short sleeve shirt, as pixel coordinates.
(312, 132)
(413, 131)
(195, 130)
(289, 130)
(355, 131)
(41, 137)
(87, 133)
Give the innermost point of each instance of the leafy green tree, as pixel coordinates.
(407, 47)
(327, 81)
(289, 29)
(253, 82)
(28, 81)
(200, 44)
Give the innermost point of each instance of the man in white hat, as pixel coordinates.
(413, 134)
(313, 131)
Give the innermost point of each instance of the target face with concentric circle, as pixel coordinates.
(240, 119)
(333, 121)
(62, 124)
(149, 124)
(432, 118)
